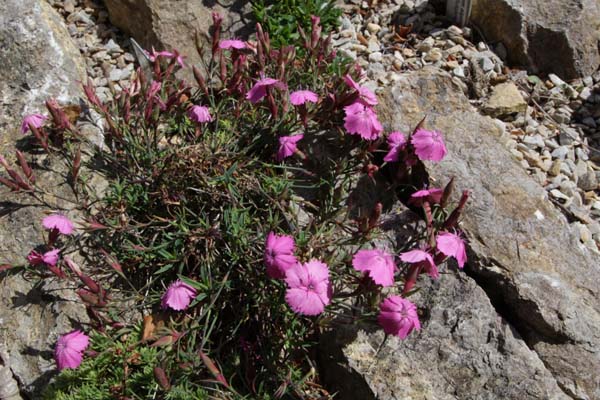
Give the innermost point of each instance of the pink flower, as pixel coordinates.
(432, 196)
(396, 142)
(49, 257)
(37, 120)
(309, 288)
(288, 146)
(429, 145)
(178, 296)
(232, 44)
(362, 120)
(421, 256)
(279, 254)
(259, 90)
(155, 87)
(69, 349)
(378, 264)
(59, 222)
(168, 54)
(366, 96)
(398, 317)
(199, 114)
(300, 97)
(452, 245)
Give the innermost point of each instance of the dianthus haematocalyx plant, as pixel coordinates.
(229, 212)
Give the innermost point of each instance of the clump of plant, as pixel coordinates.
(231, 222)
(287, 20)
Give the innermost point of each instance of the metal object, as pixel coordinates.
(142, 57)
(459, 11)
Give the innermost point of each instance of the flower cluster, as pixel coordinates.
(309, 289)
(197, 184)
(69, 349)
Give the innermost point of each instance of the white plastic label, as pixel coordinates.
(459, 11)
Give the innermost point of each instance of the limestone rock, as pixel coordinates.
(175, 24)
(522, 251)
(544, 35)
(505, 99)
(463, 351)
(39, 61)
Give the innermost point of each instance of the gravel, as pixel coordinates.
(556, 137)
(110, 61)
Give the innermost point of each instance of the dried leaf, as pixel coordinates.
(149, 327)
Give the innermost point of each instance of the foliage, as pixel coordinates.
(281, 18)
(197, 181)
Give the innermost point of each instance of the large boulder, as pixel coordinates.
(523, 253)
(39, 61)
(464, 350)
(177, 24)
(522, 320)
(544, 35)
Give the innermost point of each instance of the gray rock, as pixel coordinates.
(568, 136)
(588, 181)
(426, 45)
(504, 100)
(560, 152)
(463, 351)
(433, 55)
(39, 61)
(535, 141)
(175, 25)
(546, 36)
(486, 64)
(375, 57)
(556, 80)
(522, 250)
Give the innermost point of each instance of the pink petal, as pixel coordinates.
(379, 265)
(317, 270)
(396, 139)
(414, 256)
(199, 114)
(232, 44)
(37, 120)
(366, 96)
(288, 146)
(433, 196)
(429, 145)
(259, 90)
(279, 254)
(396, 142)
(69, 349)
(285, 261)
(398, 316)
(452, 245)
(68, 358)
(178, 296)
(304, 302)
(300, 97)
(296, 276)
(350, 82)
(362, 120)
(78, 341)
(256, 93)
(51, 257)
(59, 222)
